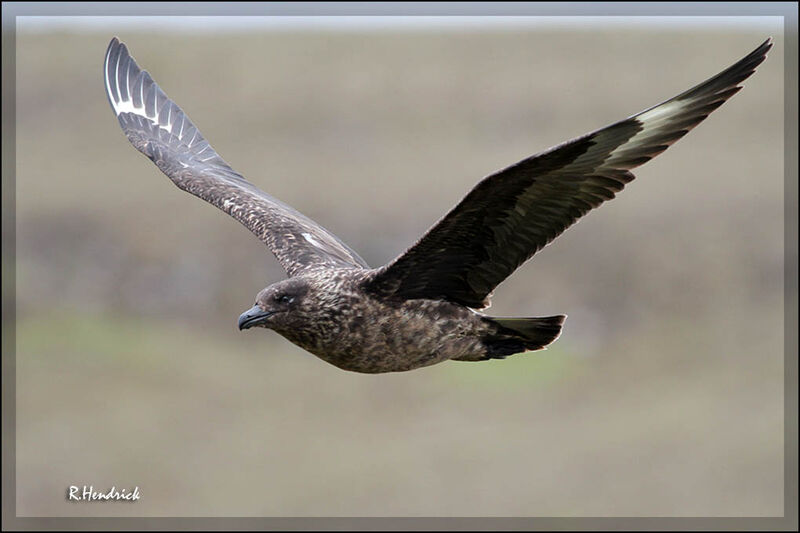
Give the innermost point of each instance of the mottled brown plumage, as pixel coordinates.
(420, 309)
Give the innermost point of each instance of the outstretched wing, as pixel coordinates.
(514, 213)
(159, 129)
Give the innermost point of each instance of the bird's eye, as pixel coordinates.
(284, 299)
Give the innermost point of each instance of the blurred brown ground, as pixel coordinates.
(663, 397)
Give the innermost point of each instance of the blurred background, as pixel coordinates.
(663, 397)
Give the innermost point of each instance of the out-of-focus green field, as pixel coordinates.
(663, 397)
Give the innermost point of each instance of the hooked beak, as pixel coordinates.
(253, 317)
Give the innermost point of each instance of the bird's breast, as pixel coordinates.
(374, 336)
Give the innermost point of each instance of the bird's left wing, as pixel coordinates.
(512, 214)
(159, 129)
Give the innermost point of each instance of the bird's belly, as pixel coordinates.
(404, 339)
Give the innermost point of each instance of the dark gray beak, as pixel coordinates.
(253, 317)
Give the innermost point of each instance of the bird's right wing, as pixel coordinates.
(159, 129)
(514, 213)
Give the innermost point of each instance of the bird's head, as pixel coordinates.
(276, 304)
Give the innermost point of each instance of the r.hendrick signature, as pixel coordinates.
(88, 494)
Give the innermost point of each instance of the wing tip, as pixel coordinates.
(121, 98)
(108, 80)
(757, 56)
(115, 53)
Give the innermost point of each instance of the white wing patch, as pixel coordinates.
(653, 122)
(665, 110)
(310, 238)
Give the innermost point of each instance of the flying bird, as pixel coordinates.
(423, 307)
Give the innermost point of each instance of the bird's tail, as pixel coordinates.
(514, 335)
